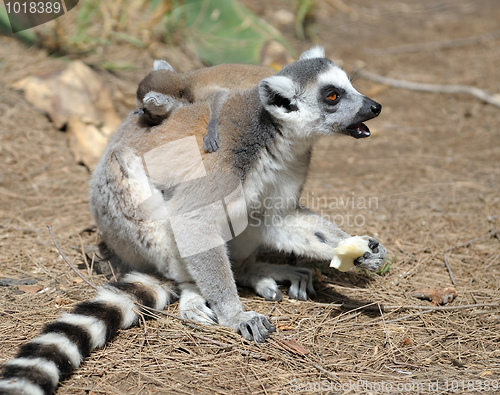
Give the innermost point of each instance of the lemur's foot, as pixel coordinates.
(252, 326)
(301, 283)
(264, 278)
(193, 306)
(374, 260)
(268, 289)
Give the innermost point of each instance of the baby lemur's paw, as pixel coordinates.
(252, 326)
(372, 260)
(211, 142)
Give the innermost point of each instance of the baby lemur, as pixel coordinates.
(167, 207)
(163, 90)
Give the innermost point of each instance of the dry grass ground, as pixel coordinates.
(427, 184)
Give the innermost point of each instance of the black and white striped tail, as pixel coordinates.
(50, 357)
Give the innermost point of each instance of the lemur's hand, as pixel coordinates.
(374, 260)
(211, 142)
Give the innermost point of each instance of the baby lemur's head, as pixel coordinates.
(314, 96)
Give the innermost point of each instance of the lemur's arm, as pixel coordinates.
(306, 233)
(211, 139)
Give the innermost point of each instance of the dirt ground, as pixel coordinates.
(427, 184)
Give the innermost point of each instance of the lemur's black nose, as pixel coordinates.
(376, 108)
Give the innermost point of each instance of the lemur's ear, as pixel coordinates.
(278, 93)
(314, 52)
(162, 65)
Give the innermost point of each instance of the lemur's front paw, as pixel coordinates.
(264, 279)
(374, 260)
(253, 326)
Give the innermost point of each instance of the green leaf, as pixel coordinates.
(223, 31)
(26, 36)
(113, 66)
(387, 265)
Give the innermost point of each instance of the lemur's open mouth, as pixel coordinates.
(358, 130)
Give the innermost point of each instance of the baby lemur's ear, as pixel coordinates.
(278, 95)
(162, 65)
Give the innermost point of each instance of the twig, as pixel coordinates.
(449, 269)
(350, 317)
(377, 307)
(66, 259)
(423, 310)
(39, 266)
(407, 316)
(434, 88)
(398, 371)
(447, 44)
(439, 308)
(321, 369)
(82, 249)
(493, 233)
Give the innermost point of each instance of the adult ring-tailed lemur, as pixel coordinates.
(167, 208)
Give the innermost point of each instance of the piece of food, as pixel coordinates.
(348, 250)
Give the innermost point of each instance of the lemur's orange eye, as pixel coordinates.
(332, 97)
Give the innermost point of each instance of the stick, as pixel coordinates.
(424, 310)
(386, 308)
(493, 233)
(439, 308)
(434, 88)
(380, 307)
(406, 317)
(66, 259)
(321, 369)
(449, 269)
(82, 249)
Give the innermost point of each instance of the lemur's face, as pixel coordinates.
(340, 107)
(314, 96)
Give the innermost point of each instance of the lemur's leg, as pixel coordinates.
(263, 278)
(211, 271)
(306, 233)
(193, 306)
(211, 139)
